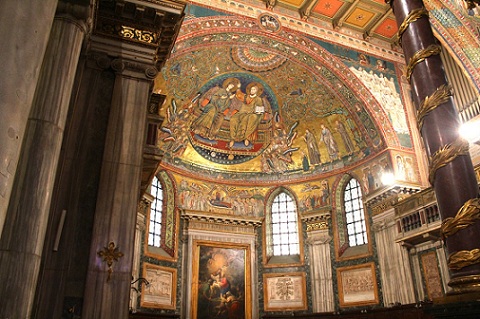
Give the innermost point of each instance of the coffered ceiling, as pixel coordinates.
(373, 18)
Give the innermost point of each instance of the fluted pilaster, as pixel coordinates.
(107, 289)
(143, 208)
(394, 261)
(321, 270)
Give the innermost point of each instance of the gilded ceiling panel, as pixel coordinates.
(328, 8)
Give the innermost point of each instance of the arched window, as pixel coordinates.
(354, 214)
(162, 219)
(156, 210)
(284, 226)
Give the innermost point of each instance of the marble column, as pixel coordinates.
(451, 170)
(107, 290)
(321, 270)
(24, 28)
(394, 262)
(63, 270)
(22, 240)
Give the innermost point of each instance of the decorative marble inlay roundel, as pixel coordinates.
(256, 60)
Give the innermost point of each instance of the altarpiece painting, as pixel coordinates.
(221, 286)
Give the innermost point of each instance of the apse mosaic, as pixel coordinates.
(385, 91)
(452, 22)
(243, 105)
(284, 120)
(220, 199)
(313, 196)
(403, 166)
(246, 201)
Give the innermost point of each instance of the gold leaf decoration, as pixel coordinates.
(445, 155)
(420, 56)
(110, 253)
(413, 16)
(431, 102)
(468, 214)
(464, 258)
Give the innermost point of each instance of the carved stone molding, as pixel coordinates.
(386, 198)
(128, 66)
(383, 221)
(318, 238)
(153, 25)
(78, 9)
(318, 220)
(144, 203)
(228, 220)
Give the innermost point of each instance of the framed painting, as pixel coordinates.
(357, 285)
(221, 283)
(162, 288)
(285, 291)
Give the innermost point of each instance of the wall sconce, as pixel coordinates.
(142, 281)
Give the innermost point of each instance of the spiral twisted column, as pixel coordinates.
(451, 170)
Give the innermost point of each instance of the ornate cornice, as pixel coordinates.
(151, 25)
(318, 219)
(387, 197)
(415, 202)
(230, 220)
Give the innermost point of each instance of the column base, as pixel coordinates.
(465, 284)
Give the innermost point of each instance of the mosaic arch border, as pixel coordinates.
(450, 24)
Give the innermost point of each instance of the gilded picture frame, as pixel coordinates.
(221, 280)
(285, 291)
(161, 290)
(357, 285)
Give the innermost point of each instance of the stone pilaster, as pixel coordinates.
(321, 269)
(138, 46)
(22, 240)
(108, 286)
(394, 261)
(24, 28)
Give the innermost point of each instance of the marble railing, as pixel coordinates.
(418, 219)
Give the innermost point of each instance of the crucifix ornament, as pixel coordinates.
(110, 253)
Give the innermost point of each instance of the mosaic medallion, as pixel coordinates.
(252, 59)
